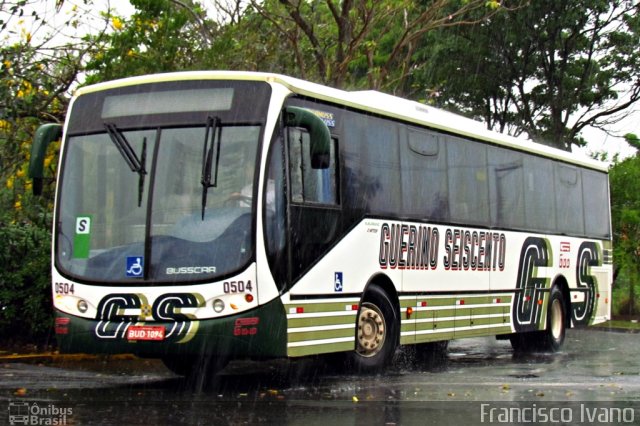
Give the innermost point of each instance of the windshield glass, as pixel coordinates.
(119, 224)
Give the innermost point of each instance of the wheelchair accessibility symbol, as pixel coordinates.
(337, 282)
(135, 266)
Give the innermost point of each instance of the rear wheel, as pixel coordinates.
(550, 339)
(377, 328)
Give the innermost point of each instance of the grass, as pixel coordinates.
(622, 324)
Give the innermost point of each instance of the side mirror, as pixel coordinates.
(45, 134)
(318, 132)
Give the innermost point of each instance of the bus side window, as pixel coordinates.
(309, 185)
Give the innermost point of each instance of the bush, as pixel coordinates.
(26, 313)
(625, 300)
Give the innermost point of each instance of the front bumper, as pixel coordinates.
(258, 333)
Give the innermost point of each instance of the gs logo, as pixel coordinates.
(116, 312)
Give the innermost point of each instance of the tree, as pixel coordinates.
(364, 43)
(625, 210)
(160, 36)
(39, 66)
(548, 70)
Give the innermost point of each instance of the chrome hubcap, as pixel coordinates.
(371, 330)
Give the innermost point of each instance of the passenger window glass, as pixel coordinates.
(468, 186)
(595, 190)
(309, 185)
(569, 209)
(506, 180)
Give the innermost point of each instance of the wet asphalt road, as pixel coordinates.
(596, 368)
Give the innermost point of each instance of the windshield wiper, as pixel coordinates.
(213, 128)
(130, 157)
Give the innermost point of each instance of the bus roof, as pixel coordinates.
(374, 102)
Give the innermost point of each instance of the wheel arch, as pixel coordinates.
(386, 284)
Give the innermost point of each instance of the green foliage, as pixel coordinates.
(34, 81)
(548, 69)
(25, 279)
(632, 140)
(158, 37)
(625, 211)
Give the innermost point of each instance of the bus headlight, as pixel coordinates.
(82, 306)
(218, 305)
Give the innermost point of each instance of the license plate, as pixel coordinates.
(145, 332)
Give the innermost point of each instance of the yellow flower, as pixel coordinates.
(18, 205)
(9, 183)
(20, 174)
(116, 23)
(7, 63)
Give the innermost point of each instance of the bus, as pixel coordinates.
(207, 216)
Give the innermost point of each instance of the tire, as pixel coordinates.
(552, 338)
(377, 332)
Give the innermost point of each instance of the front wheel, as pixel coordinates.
(377, 328)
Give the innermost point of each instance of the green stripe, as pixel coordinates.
(405, 303)
(443, 324)
(432, 337)
(441, 314)
(459, 334)
(406, 327)
(462, 322)
(470, 311)
(485, 321)
(320, 349)
(407, 340)
(316, 321)
(321, 334)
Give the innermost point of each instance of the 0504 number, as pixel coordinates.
(64, 288)
(237, 286)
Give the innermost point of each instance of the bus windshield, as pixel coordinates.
(134, 205)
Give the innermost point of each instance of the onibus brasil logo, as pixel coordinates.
(32, 413)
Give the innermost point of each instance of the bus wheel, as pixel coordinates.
(376, 331)
(552, 338)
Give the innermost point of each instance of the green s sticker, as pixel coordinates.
(82, 237)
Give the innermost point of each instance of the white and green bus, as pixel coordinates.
(207, 216)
